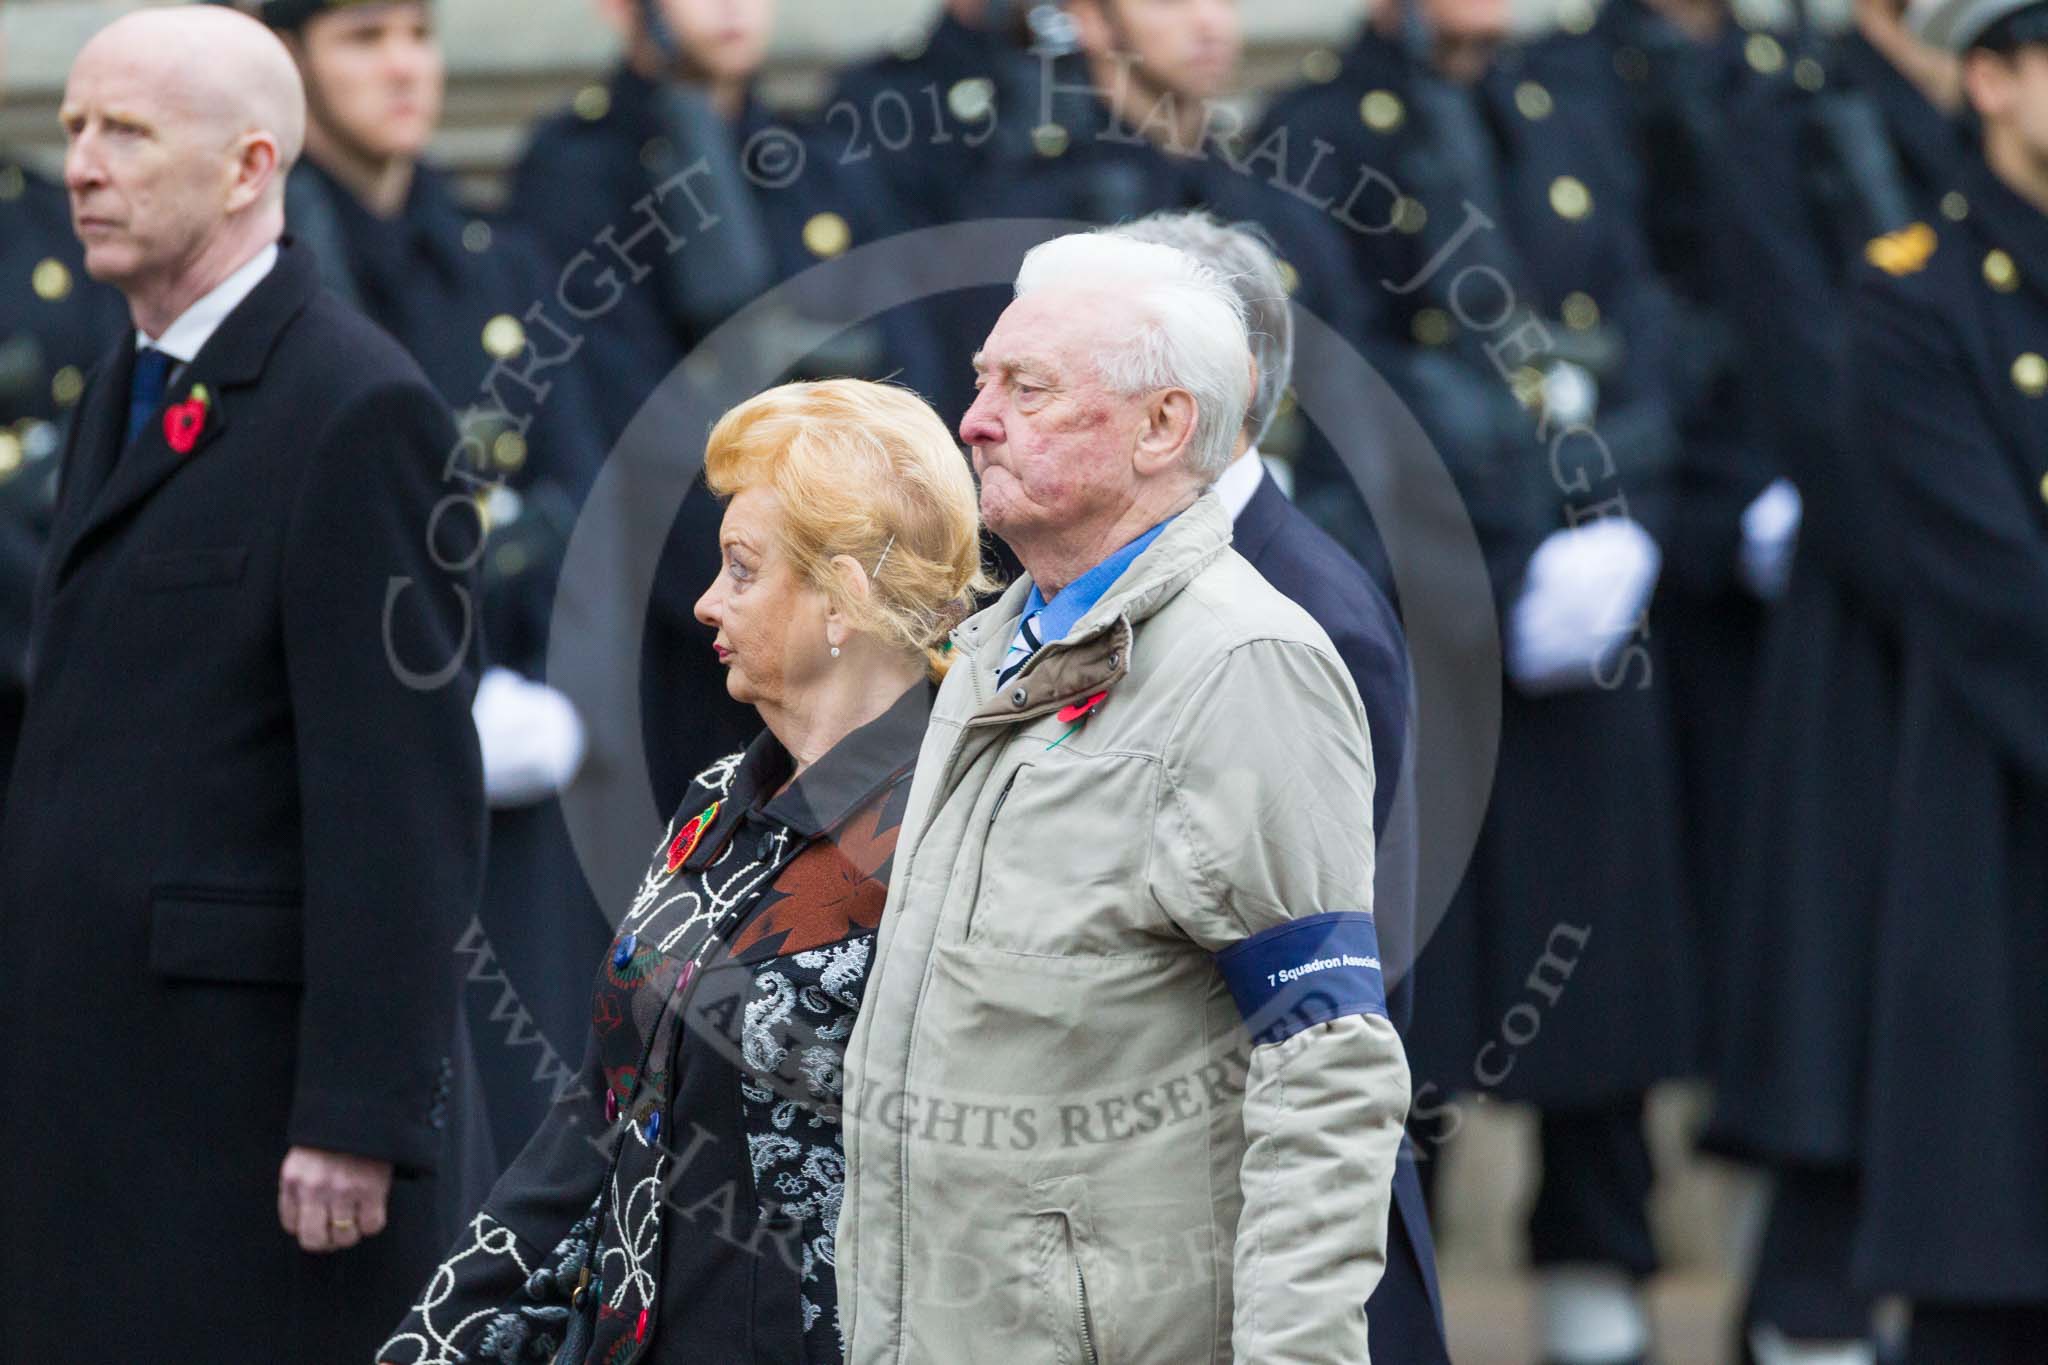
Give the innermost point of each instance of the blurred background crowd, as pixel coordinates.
(1674, 1075)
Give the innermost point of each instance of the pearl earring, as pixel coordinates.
(835, 651)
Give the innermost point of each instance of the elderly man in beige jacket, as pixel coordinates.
(1123, 1088)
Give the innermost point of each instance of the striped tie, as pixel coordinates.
(1021, 649)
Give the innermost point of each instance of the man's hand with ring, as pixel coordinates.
(330, 1201)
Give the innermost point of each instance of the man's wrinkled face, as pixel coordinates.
(375, 77)
(149, 171)
(1052, 444)
(1188, 47)
(722, 40)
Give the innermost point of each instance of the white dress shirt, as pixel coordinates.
(1236, 485)
(187, 336)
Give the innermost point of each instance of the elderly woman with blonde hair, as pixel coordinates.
(682, 1201)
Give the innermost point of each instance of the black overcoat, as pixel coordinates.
(54, 322)
(1949, 363)
(1794, 952)
(247, 822)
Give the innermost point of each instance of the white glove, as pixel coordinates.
(1770, 532)
(1581, 598)
(532, 738)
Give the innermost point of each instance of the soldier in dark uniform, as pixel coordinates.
(1858, 143)
(1522, 314)
(1666, 73)
(451, 286)
(965, 96)
(1948, 365)
(681, 103)
(54, 322)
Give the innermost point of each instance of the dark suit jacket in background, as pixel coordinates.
(237, 851)
(1405, 1314)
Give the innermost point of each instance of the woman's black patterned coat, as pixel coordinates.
(701, 1148)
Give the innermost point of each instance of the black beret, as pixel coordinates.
(292, 14)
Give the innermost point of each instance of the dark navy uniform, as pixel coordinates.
(54, 323)
(1948, 361)
(780, 210)
(452, 287)
(1578, 864)
(1828, 163)
(1670, 94)
(932, 118)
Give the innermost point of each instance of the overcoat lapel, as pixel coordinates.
(231, 361)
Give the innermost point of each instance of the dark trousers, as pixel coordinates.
(1404, 1317)
(1978, 1334)
(1594, 1202)
(1802, 1284)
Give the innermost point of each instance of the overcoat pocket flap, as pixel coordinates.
(195, 937)
(191, 568)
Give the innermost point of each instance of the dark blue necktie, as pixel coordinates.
(146, 390)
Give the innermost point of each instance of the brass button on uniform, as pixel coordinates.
(13, 184)
(655, 152)
(1954, 206)
(1581, 314)
(1999, 271)
(1430, 326)
(1569, 198)
(1322, 66)
(1382, 111)
(1533, 101)
(826, 235)
(1290, 278)
(508, 452)
(1049, 140)
(504, 337)
(1575, 16)
(1809, 75)
(11, 455)
(592, 103)
(476, 236)
(2044, 488)
(1409, 215)
(51, 279)
(67, 385)
(2030, 374)
(971, 99)
(1765, 53)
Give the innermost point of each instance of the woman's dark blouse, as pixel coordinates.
(713, 1074)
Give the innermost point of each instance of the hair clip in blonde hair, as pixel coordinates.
(884, 558)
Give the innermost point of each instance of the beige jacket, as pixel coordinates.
(1063, 1144)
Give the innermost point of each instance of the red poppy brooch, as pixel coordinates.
(1075, 716)
(685, 842)
(185, 422)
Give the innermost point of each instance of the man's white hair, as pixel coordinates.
(1188, 330)
(1243, 255)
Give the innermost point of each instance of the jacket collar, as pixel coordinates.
(2008, 221)
(1096, 653)
(232, 360)
(839, 783)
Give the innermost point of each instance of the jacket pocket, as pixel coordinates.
(226, 934)
(1071, 1319)
(167, 570)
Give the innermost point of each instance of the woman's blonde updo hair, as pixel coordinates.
(866, 470)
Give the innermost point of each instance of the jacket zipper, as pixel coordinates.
(1087, 1337)
(1002, 796)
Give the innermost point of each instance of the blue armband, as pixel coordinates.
(1308, 971)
